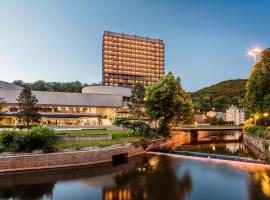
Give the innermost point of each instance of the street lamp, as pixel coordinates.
(255, 121)
(251, 120)
(255, 52)
(265, 117)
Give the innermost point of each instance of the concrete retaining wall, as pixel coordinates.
(82, 137)
(64, 159)
(259, 146)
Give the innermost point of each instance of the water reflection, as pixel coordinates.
(26, 191)
(154, 179)
(217, 142)
(145, 177)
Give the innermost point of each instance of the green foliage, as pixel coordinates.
(40, 85)
(220, 96)
(257, 97)
(137, 104)
(185, 115)
(28, 112)
(138, 127)
(27, 141)
(166, 100)
(256, 130)
(218, 121)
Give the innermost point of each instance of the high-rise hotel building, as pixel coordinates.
(128, 59)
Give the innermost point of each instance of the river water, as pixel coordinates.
(213, 142)
(152, 176)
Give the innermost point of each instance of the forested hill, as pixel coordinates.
(220, 96)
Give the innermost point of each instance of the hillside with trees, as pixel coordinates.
(220, 96)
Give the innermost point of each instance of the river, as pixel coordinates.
(157, 177)
(152, 176)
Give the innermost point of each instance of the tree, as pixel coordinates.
(258, 86)
(165, 100)
(137, 104)
(2, 102)
(185, 114)
(39, 85)
(28, 112)
(19, 83)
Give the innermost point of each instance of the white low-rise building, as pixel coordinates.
(236, 115)
(96, 105)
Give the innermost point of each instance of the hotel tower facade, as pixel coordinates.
(128, 59)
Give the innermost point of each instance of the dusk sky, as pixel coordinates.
(206, 41)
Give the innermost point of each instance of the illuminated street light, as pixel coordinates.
(255, 52)
(255, 121)
(265, 118)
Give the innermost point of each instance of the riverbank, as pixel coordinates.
(11, 163)
(260, 147)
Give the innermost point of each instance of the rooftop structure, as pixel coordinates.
(9, 86)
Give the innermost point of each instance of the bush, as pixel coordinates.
(11, 140)
(138, 127)
(27, 141)
(257, 130)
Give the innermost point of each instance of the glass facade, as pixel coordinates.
(128, 59)
(64, 115)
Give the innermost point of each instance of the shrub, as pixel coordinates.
(10, 140)
(138, 127)
(40, 138)
(257, 130)
(27, 141)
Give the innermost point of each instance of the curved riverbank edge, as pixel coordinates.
(65, 159)
(259, 146)
(251, 167)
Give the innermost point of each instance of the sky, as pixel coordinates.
(206, 41)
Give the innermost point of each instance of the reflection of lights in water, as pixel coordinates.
(233, 147)
(141, 169)
(251, 167)
(153, 162)
(213, 147)
(121, 194)
(264, 180)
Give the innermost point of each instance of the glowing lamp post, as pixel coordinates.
(255, 121)
(265, 115)
(255, 53)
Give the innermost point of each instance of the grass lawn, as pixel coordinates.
(118, 137)
(115, 133)
(97, 143)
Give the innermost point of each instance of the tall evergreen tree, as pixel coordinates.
(258, 86)
(28, 111)
(137, 102)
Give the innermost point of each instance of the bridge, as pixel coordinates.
(208, 128)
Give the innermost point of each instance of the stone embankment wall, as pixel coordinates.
(65, 159)
(259, 146)
(82, 137)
